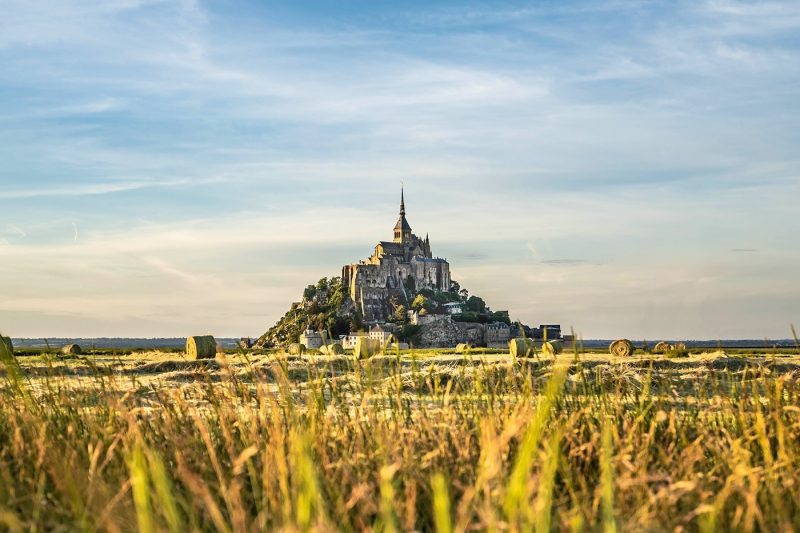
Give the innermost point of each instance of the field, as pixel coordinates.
(427, 441)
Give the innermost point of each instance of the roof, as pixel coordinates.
(402, 224)
(391, 248)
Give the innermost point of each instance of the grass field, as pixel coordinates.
(427, 441)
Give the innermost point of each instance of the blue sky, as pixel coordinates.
(625, 168)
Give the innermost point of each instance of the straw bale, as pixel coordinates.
(552, 348)
(71, 349)
(366, 347)
(334, 348)
(6, 341)
(621, 348)
(521, 347)
(201, 347)
(662, 347)
(296, 348)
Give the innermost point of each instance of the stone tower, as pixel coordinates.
(402, 230)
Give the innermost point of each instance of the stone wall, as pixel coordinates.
(440, 331)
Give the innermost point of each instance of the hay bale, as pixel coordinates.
(9, 346)
(201, 347)
(552, 348)
(662, 347)
(71, 349)
(463, 347)
(334, 348)
(522, 347)
(296, 349)
(621, 348)
(366, 347)
(679, 347)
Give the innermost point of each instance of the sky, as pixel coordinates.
(626, 169)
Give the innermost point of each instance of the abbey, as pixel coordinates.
(396, 270)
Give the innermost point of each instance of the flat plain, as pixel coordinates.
(420, 440)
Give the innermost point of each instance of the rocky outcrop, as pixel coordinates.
(442, 331)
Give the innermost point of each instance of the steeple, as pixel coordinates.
(402, 230)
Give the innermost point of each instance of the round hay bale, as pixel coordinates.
(201, 347)
(552, 348)
(333, 348)
(679, 347)
(522, 347)
(463, 347)
(366, 347)
(296, 349)
(71, 349)
(621, 348)
(662, 347)
(7, 344)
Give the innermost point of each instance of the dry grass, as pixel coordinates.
(437, 442)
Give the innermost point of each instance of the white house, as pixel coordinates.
(454, 308)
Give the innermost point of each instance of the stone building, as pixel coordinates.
(311, 339)
(383, 334)
(497, 335)
(395, 271)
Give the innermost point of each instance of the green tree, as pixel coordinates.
(475, 303)
(501, 316)
(309, 292)
(408, 333)
(356, 324)
(322, 284)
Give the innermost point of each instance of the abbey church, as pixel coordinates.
(396, 270)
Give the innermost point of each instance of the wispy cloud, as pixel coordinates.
(110, 187)
(250, 149)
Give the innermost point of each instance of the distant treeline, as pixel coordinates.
(120, 343)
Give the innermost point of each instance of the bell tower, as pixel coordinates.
(402, 230)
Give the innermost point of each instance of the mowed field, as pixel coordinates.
(426, 441)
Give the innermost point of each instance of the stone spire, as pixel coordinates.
(402, 230)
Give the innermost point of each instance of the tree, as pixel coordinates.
(475, 303)
(455, 287)
(411, 285)
(464, 293)
(501, 316)
(409, 333)
(356, 324)
(421, 302)
(309, 292)
(322, 284)
(400, 313)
